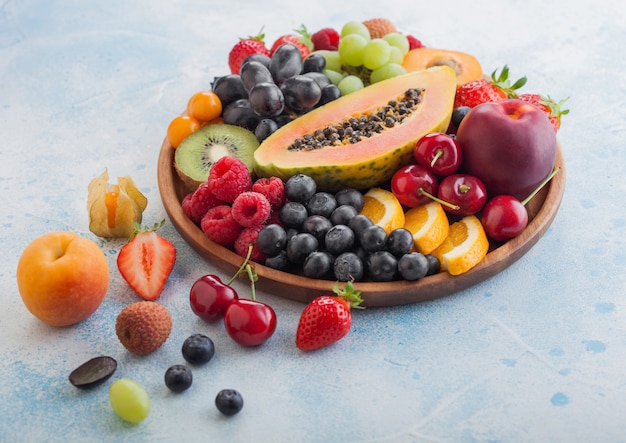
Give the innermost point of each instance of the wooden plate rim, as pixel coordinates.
(542, 209)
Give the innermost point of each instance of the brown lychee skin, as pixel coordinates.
(379, 27)
(142, 327)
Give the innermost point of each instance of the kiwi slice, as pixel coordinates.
(199, 151)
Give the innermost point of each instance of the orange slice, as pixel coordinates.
(464, 247)
(383, 208)
(429, 225)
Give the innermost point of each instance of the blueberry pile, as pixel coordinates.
(269, 92)
(324, 236)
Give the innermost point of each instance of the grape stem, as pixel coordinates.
(541, 185)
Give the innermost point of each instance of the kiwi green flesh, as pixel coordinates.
(195, 156)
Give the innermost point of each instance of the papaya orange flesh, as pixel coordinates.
(466, 66)
(374, 158)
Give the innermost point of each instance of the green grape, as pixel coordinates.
(399, 41)
(129, 400)
(351, 49)
(395, 56)
(350, 83)
(355, 27)
(333, 62)
(375, 54)
(334, 76)
(388, 71)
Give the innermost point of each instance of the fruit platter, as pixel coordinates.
(367, 111)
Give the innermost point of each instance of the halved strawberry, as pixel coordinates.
(301, 40)
(497, 88)
(244, 48)
(146, 261)
(551, 107)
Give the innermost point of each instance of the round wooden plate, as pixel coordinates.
(542, 209)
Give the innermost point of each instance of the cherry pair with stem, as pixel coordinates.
(247, 321)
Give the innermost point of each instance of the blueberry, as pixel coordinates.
(301, 245)
(358, 224)
(198, 349)
(458, 114)
(338, 239)
(413, 266)
(318, 264)
(343, 214)
(373, 238)
(229, 401)
(271, 239)
(300, 188)
(352, 197)
(348, 267)
(321, 203)
(279, 261)
(265, 128)
(178, 378)
(317, 225)
(293, 214)
(382, 266)
(400, 242)
(434, 266)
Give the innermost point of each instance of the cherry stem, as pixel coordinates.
(438, 200)
(438, 154)
(541, 185)
(251, 274)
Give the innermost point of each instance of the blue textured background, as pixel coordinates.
(536, 353)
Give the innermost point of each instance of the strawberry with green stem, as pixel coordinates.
(301, 40)
(553, 109)
(146, 261)
(244, 48)
(497, 88)
(328, 318)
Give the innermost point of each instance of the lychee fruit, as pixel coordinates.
(379, 27)
(142, 327)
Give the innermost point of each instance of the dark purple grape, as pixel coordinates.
(240, 113)
(314, 63)
(266, 99)
(319, 78)
(301, 93)
(261, 58)
(265, 128)
(329, 93)
(283, 119)
(286, 62)
(229, 88)
(254, 73)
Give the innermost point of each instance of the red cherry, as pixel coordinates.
(438, 152)
(249, 322)
(504, 217)
(466, 192)
(209, 297)
(412, 184)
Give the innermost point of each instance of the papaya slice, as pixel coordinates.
(466, 66)
(359, 140)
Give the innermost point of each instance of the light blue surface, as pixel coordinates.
(536, 353)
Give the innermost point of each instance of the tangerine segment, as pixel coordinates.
(429, 225)
(383, 208)
(464, 247)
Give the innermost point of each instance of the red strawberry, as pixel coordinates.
(301, 40)
(327, 319)
(414, 43)
(551, 107)
(497, 88)
(243, 49)
(146, 261)
(325, 39)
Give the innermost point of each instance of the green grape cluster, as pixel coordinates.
(361, 60)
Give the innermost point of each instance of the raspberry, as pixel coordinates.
(327, 38)
(198, 202)
(229, 177)
(251, 209)
(273, 188)
(219, 225)
(247, 237)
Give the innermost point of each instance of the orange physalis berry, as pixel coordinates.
(204, 106)
(180, 127)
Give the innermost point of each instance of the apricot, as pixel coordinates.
(62, 278)
(466, 66)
